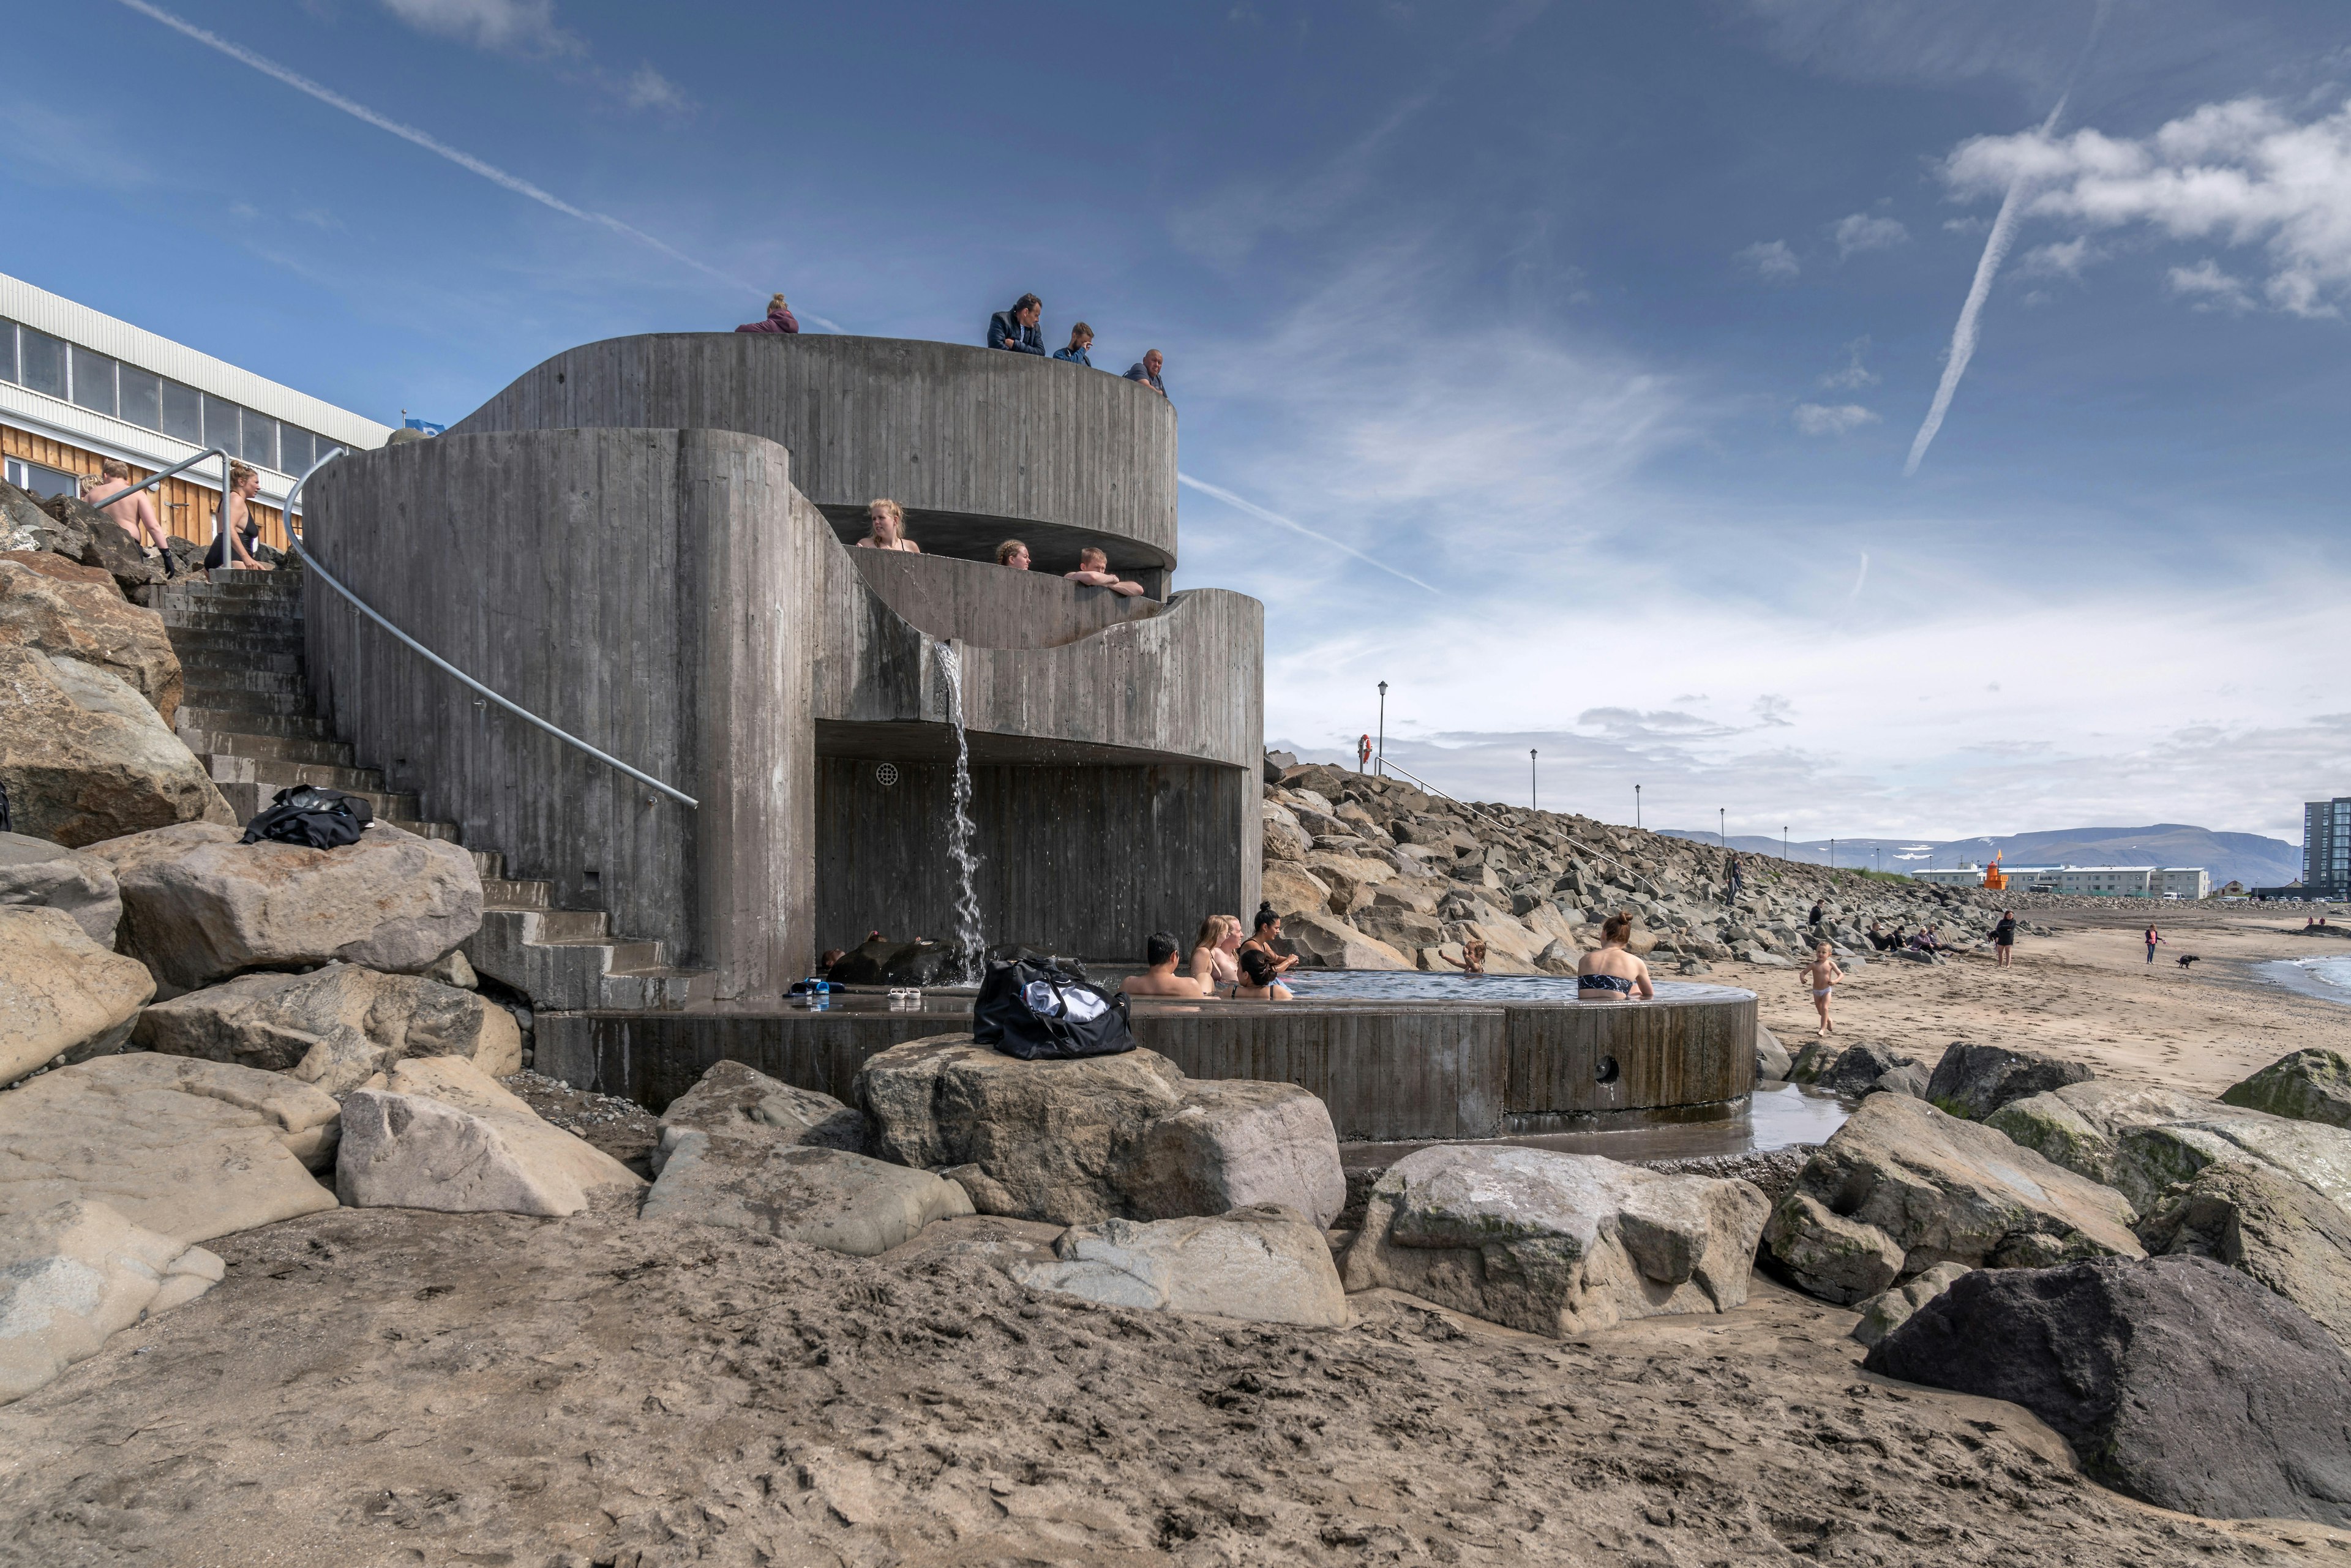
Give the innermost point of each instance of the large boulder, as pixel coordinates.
(24, 526)
(2267, 1225)
(2312, 1085)
(200, 908)
(62, 996)
(1263, 1263)
(1076, 1141)
(1903, 1181)
(1889, 1309)
(1555, 1244)
(92, 622)
(73, 1274)
(801, 1191)
(1325, 942)
(2143, 1140)
(732, 1101)
(335, 1028)
(192, 1149)
(1974, 1080)
(1772, 1062)
(106, 544)
(2077, 1125)
(445, 1135)
(1859, 1070)
(2178, 1381)
(1292, 890)
(84, 756)
(39, 874)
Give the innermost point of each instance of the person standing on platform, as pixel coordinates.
(1081, 337)
(1146, 370)
(1017, 328)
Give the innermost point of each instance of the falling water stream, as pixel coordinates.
(972, 944)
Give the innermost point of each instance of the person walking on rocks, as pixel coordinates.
(1824, 976)
(2003, 939)
(1732, 881)
(2154, 940)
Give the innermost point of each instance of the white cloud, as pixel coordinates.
(507, 27)
(648, 88)
(2063, 260)
(1772, 259)
(2209, 287)
(1843, 419)
(2243, 172)
(1860, 232)
(1853, 373)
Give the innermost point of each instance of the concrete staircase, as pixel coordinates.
(245, 712)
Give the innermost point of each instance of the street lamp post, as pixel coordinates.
(1637, 805)
(1784, 840)
(1532, 798)
(1380, 767)
(1833, 855)
(1721, 831)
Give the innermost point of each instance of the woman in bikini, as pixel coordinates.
(1610, 973)
(1213, 963)
(885, 529)
(1824, 976)
(1257, 979)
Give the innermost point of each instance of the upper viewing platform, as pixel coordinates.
(975, 444)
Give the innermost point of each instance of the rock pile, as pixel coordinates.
(1370, 873)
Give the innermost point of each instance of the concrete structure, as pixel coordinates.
(77, 387)
(1389, 1072)
(2326, 848)
(648, 543)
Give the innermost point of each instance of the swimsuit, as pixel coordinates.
(1604, 983)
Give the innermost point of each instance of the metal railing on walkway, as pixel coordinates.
(441, 664)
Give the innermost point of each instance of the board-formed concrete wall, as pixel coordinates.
(646, 591)
(974, 443)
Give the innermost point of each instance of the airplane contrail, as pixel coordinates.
(1995, 251)
(1254, 510)
(432, 144)
(1858, 578)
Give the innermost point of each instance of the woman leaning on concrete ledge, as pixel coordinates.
(885, 528)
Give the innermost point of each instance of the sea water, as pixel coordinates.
(2327, 976)
(960, 833)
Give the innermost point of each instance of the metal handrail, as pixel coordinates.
(439, 662)
(220, 521)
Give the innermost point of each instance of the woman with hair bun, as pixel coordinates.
(1263, 940)
(1610, 973)
(1258, 982)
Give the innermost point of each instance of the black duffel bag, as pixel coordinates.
(1039, 1011)
(314, 817)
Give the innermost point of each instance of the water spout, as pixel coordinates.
(968, 938)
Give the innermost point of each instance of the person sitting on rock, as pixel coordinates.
(1473, 957)
(1213, 963)
(885, 524)
(1014, 554)
(1263, 940)
(1611, 972)
(1160, 950)
(136, 515)
(1258, 981)
(1093, 571)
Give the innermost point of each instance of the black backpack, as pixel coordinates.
(314, 817)
(1040, 1011)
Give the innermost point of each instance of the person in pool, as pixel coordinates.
(1161, 950)
(1258, 981)
(1822, 975)
(1263, 940)
(1213, 965)
(1473, 957)
(1610, 972)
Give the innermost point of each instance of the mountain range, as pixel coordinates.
(2249, 858)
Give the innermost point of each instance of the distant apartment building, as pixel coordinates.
(2326, 848)
(78, 386)
(2099, 881)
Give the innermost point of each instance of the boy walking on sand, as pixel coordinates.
(1824, 976)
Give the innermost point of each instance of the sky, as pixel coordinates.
(1558, 364)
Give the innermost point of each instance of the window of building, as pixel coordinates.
(43, 362)
(93, 381)
(184, 414)
(40, 480)
(260, 439)
(220, 425)
(294, 448)
(141, 397)
(7, 351)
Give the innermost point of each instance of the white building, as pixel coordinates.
(76, 386)
(2186, 881)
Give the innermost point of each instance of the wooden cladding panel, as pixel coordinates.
(187, 509)
(1664, 1053)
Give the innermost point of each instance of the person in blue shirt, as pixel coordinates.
(1081, 337)
(1017, 328)
(1147, 373)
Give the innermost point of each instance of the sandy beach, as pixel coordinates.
(2088, 994)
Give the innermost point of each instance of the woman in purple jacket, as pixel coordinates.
(779, 318)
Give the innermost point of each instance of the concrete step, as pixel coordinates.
(222, 618)
(564, 927)
(250, 703)
(285, 663)
(228, 768)
(571, 975)
(193, 719)
(246, 637)
(187, 591)
(504, 892)
(239, 742)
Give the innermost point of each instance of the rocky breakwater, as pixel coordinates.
(1370, 873)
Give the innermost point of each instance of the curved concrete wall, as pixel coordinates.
(976, 443)
(991, 606)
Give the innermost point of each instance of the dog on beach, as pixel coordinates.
(2186, 959)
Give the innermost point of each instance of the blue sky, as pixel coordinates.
(1605, 333)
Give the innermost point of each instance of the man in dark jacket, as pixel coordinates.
(1017, 328)
(779, 318)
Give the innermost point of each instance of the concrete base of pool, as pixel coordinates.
(1396, 1070)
